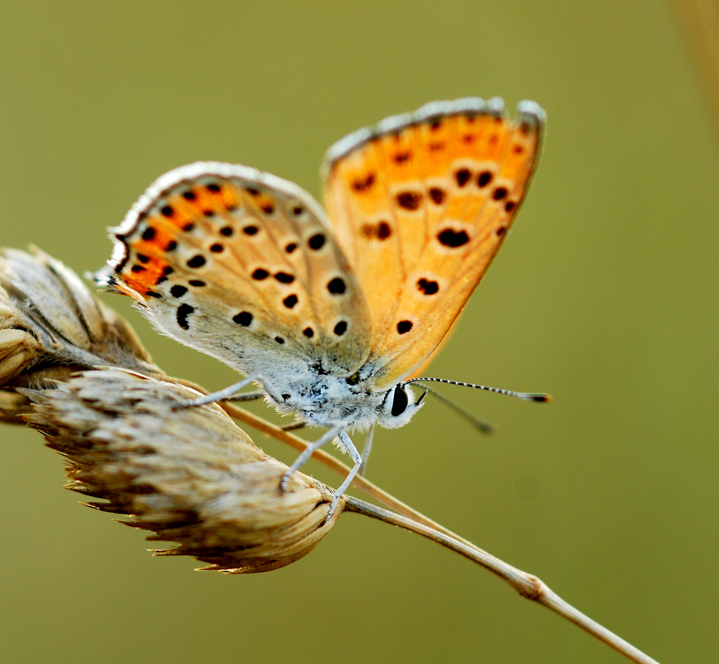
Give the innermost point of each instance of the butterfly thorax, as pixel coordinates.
(324, 399)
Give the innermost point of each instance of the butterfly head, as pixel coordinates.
(399, 406)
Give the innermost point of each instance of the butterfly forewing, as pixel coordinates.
(447, 182)
(243, 266)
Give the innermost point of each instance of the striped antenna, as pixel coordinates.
(540, 397)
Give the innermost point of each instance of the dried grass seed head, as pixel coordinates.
(190, 475)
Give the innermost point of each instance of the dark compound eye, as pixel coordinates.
(400, 401)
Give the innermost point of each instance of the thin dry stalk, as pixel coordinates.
(527, 585)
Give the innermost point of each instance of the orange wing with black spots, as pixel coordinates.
(420, 206)
(243, 266)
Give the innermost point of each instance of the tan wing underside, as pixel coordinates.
(235, 246)
(420, 213)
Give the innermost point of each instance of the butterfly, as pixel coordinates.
(333, 313)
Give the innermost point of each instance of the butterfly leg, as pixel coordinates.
(366, 450)
(303, 458)
(352, 450)
(294, 426)
(248, 396)
(225, 393)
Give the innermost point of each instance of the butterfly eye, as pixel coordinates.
(400, 401)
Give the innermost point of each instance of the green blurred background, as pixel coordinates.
(605, 295)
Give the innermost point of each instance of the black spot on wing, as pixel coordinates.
(437, 195)
(317, 241)
(484, 178)
(336, 286)
(409, 200)
(183, 311)
(361, 185)
(196, 261)
(427, 286)
(451, 238)
(244, 318)
(404, 326)
(462, 176)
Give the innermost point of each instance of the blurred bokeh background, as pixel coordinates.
(605, 295)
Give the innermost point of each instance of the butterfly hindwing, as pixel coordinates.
(242, 265)
(420, 205)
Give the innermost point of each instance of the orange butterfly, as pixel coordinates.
(332, 314)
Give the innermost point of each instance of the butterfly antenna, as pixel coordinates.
(525, 396)
(476, 422)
